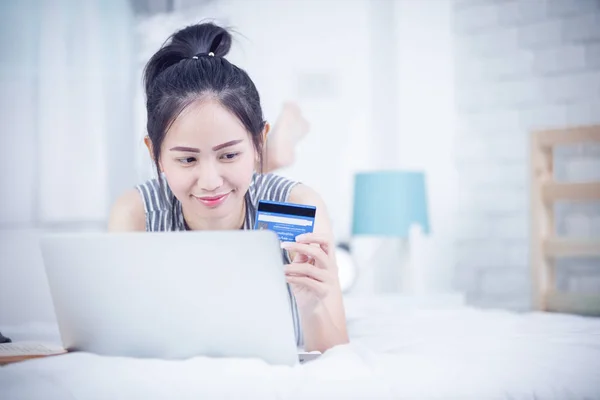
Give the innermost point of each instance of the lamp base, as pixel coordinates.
(395, 269)
(398, 274)
(384, 266)
(406, 281)
(389, 278)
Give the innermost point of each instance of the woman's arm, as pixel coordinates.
(127, 214)
(323, 321)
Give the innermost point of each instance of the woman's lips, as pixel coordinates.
(213, 201)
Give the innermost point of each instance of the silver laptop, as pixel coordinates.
(172, 295)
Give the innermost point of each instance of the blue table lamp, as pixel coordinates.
(388, 204)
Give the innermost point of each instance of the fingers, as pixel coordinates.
(315, 252)
(314, 286)
(301, 258)
(307, 270)
(322, 240)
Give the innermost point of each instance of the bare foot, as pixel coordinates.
(287, 131)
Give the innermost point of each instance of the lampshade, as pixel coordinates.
(387, 203)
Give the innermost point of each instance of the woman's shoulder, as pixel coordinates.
(127, 213)
(131, 210)
(271, 187)
(155, 195)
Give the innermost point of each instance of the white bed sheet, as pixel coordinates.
(427, 354)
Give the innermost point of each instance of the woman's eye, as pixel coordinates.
(229, 156)
(187, 160)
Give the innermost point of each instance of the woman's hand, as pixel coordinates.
(313, 273)
(313, 278)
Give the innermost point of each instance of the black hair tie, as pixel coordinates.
(209, 54)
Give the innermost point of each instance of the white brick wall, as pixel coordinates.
(592, 55)
(520, 65)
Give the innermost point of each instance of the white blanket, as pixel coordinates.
(452, 354)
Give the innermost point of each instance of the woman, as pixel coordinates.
(206, 135)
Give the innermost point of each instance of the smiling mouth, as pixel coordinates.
(212, 198)
(213, 201)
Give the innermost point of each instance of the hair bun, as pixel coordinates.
(188, 42)
(203, 39)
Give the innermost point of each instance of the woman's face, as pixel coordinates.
(208, 159)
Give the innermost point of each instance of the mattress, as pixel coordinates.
(461, 353)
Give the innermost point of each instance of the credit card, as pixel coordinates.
(288, 220)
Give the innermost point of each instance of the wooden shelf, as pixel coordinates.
(572, 247)
(556, 137)
(571, 303)
(546, 248)
(571, 191)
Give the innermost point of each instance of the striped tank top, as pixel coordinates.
(163, 213)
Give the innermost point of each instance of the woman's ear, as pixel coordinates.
(148, 144)
(150, 148)
(265, 133)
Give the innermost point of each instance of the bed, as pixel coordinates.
(413, 354)
(552, 352)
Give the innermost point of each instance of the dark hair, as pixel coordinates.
(190, 66)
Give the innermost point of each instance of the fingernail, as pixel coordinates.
(285, 244)
(300, 237)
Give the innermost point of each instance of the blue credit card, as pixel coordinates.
(288, 220)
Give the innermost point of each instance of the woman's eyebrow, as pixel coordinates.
(195, 150)
(227, 144)
(186, 149)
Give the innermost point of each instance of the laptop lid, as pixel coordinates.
(172, 295)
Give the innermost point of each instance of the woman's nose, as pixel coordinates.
(209, 178)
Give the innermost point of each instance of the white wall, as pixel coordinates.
(426, 123)
(520, 65)
(18, 69)
(65, 74)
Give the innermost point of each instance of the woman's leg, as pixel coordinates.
(289, 128)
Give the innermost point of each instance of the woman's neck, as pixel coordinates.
(232, 221)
